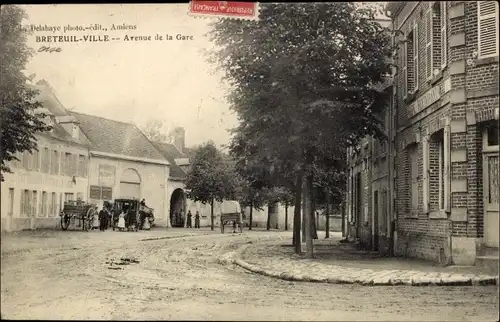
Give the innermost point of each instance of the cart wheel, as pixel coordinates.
(90, 218)
(64, 221)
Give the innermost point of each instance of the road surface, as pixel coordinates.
(117, 276)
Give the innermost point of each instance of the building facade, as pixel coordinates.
(370, 193)
(444, 119)
(33, 195)
(123, 163)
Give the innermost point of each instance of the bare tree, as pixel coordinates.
(156, 130)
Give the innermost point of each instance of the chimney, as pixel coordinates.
(178, 135)
(70, 124)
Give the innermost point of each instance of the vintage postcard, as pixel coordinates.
(237, 160)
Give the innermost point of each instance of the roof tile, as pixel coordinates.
(116, 137)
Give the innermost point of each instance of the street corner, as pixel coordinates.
(271, 260)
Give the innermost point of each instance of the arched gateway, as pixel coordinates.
(177, 204)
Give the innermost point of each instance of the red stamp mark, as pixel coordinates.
(229, 9)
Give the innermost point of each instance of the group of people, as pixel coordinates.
(105, 218)
(196, 220)
(178, 219)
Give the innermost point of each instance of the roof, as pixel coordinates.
(52, 107)
(395, 7)
(170, 152)
(116, 137)
(47, 97)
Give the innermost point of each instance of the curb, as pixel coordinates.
(480, 280)
(171, 237)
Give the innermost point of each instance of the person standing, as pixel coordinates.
(182, 219)
(96, 222)
(197, 220)
(121, 220)
(188, 220)
(103, 219)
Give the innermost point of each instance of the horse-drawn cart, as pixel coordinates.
(231, 214)
(234, 218)
(78, 214)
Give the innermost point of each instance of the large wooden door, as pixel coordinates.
(491, 187)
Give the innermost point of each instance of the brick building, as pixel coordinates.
(369, 211)
(446, 123)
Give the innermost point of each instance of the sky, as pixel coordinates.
(136, 81)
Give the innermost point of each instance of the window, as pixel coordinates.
(410, 60)
(67, 164)
(444, 35)
(26, 160)
(437, 172)
(53, 204)
(413, 182)
(34, 203)
(11, 202)
(435, 39)
(383, 211)
(36, 160)
(43, 204)
(441, 173)
(492, 135)
(68, 196)
(82, 166)
(487, 12)
(55, 162)
(17, 163)
(45, 163)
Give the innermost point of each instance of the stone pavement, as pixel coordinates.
(339, 263)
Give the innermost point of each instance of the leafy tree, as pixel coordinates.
(209, 177)
(19, 121)
(303, 80)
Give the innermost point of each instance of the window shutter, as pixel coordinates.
(415, 54)
(414, 181)
(428, 44)
(487, 28)
(405, 66)
(425, 174)
(444, 37)
(75, 165)
(446, 160)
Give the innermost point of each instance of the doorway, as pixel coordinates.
(491, 185)
(177, 208)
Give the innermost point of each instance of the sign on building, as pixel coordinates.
(107, 193)
(107, 175)
(101, 193)
(95, 192)
(424, 101)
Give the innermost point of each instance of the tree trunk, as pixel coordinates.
(212, 215)
(268, 224)
(304, 211)
(308, 215)
(286, 215)
(296, 214)
(250, 221)
(314, 217)
(327, 224)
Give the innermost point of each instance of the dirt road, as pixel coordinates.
(115, 276)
